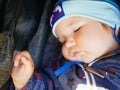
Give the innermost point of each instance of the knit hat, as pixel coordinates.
(105, 11)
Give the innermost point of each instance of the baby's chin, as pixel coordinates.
(83, 60)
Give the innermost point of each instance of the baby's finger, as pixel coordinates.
(26, 54)
(27, 60)
(17, 59)
(24, 60)
(15, 54)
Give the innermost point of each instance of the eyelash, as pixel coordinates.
(77, 29)
(62, 42)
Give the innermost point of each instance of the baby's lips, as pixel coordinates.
(76, 53)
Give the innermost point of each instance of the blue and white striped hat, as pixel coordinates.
(105, 11)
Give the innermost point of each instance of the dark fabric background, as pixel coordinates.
(29, 19)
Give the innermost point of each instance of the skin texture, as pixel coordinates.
(84, 39)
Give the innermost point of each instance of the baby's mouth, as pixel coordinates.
(76, 54)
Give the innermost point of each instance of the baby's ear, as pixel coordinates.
(119, 32)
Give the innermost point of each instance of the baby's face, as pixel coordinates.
(83, 39)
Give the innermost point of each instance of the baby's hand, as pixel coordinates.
(23, 68)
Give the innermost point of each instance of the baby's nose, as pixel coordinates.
(69, 43)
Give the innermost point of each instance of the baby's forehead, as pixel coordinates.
(68, 8)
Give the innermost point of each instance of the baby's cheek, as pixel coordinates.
(65, 52)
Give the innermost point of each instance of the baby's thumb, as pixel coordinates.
(27, 62)
(24, 60)
(28, 65)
